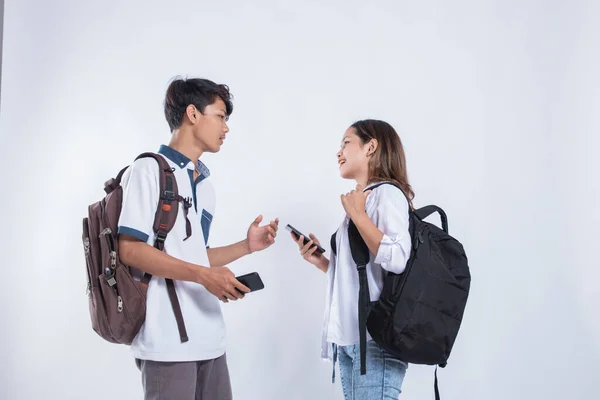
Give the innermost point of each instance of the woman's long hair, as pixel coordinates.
(388, 162)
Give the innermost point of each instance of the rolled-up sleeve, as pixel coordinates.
(391, 217)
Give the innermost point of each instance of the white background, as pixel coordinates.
(496, 102)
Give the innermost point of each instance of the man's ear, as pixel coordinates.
(192, 113)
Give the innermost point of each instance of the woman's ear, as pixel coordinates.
(371, 147)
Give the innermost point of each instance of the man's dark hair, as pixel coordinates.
(199, 92)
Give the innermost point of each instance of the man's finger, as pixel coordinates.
(228, 296)
(239, 285)
(258, 220)
(232, 293)
(237, 293)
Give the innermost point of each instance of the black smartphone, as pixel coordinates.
(297, 233)
(252, 281)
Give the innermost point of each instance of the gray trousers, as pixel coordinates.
(196, 380)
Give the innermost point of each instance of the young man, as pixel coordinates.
(197, 111)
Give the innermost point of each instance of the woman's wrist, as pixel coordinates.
(323, 264)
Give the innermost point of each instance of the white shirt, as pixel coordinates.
(387, 207)
(158, 338)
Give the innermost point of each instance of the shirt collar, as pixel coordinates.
(182, 161)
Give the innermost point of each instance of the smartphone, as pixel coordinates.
(252, 281)
(297, 233)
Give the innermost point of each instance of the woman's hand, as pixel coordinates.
(354, 203)
(308, 252)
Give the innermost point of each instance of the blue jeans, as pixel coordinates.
(383, 379)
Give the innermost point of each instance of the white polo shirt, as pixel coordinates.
(387, 207)
(158, 338)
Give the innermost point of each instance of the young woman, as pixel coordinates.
(371, 152)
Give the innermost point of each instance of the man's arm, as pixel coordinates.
(258, 238)
(227, 254)
(144, 257)
(220, 282)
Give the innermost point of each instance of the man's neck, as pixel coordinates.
(183, 142)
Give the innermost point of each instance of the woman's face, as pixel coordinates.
(352, 157)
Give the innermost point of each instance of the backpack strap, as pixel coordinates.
(426, 211)
(164, 220)
(361, 256)
(435, 385)
(333, 243)
(423, 212)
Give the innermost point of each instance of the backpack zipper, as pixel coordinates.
(119, 304)
(110, 272)
(86, 250)
(113, 264)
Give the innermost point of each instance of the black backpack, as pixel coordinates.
(419, 312)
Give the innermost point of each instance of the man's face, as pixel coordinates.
(211, 127)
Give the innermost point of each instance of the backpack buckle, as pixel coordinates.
(161, 236)
(169, 195)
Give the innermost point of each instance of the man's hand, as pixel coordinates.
(221, 282)
(354, 202)
(261, 237)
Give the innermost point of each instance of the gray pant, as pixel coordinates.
(196, 380)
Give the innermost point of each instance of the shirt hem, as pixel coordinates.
(184, 356)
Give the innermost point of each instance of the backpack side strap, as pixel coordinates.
(164, 221)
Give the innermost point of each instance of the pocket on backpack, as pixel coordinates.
(206, 221)
(98, 314)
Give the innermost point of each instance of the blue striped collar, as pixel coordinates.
(182, 161)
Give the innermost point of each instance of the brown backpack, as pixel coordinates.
(117, 302)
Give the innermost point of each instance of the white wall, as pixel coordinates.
(496, 102)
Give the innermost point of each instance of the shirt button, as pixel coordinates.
(182, 164)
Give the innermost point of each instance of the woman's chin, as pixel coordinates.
(345, 174)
